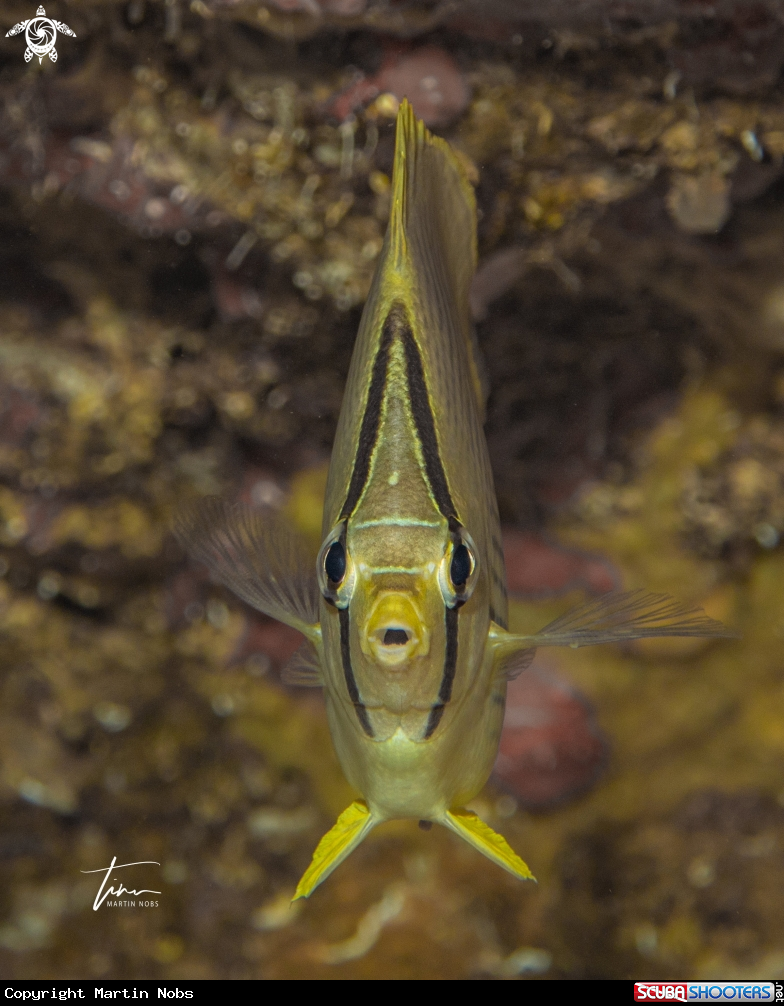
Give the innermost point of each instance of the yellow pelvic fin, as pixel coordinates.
(350, 828)
(467, 825)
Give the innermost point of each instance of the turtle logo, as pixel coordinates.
(40, 33)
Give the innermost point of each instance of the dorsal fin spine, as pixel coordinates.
(404, 147)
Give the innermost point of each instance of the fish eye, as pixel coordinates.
(335, 569)
(335, 562)
(457, 574)
(460, 569)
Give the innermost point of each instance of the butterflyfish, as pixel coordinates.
(404, 612)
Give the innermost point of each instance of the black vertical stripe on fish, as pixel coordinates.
(433, 720)
(425, 425)
(368, 431)
(450, 658)
(450, 667)
(495, 617)
(454, 527)
(348, 673)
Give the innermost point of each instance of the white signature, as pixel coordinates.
(102, 894)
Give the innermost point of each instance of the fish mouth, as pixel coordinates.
(395, 632)
(394, 645)
(396, 637)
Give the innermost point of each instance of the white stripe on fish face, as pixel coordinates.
(368, 571)
(396, 522)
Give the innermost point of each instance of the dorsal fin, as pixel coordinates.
(432, 226)
(423, 278)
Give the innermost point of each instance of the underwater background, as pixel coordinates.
(192, 201)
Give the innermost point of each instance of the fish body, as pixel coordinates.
(405, 611)
(414, 706)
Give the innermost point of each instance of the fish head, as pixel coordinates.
(394, 583)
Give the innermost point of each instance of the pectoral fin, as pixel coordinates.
(256, 554)
(618, 616)
(351, 827)
(511, 665)
(303, 669)
(467, 825)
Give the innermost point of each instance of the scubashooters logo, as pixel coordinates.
(111, 895)
(40, 34)
(685, 992)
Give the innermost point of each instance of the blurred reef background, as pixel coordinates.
(192, 201)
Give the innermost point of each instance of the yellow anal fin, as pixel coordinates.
(467, 825)
(349, 830)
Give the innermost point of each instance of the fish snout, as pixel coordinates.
(395, 632)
